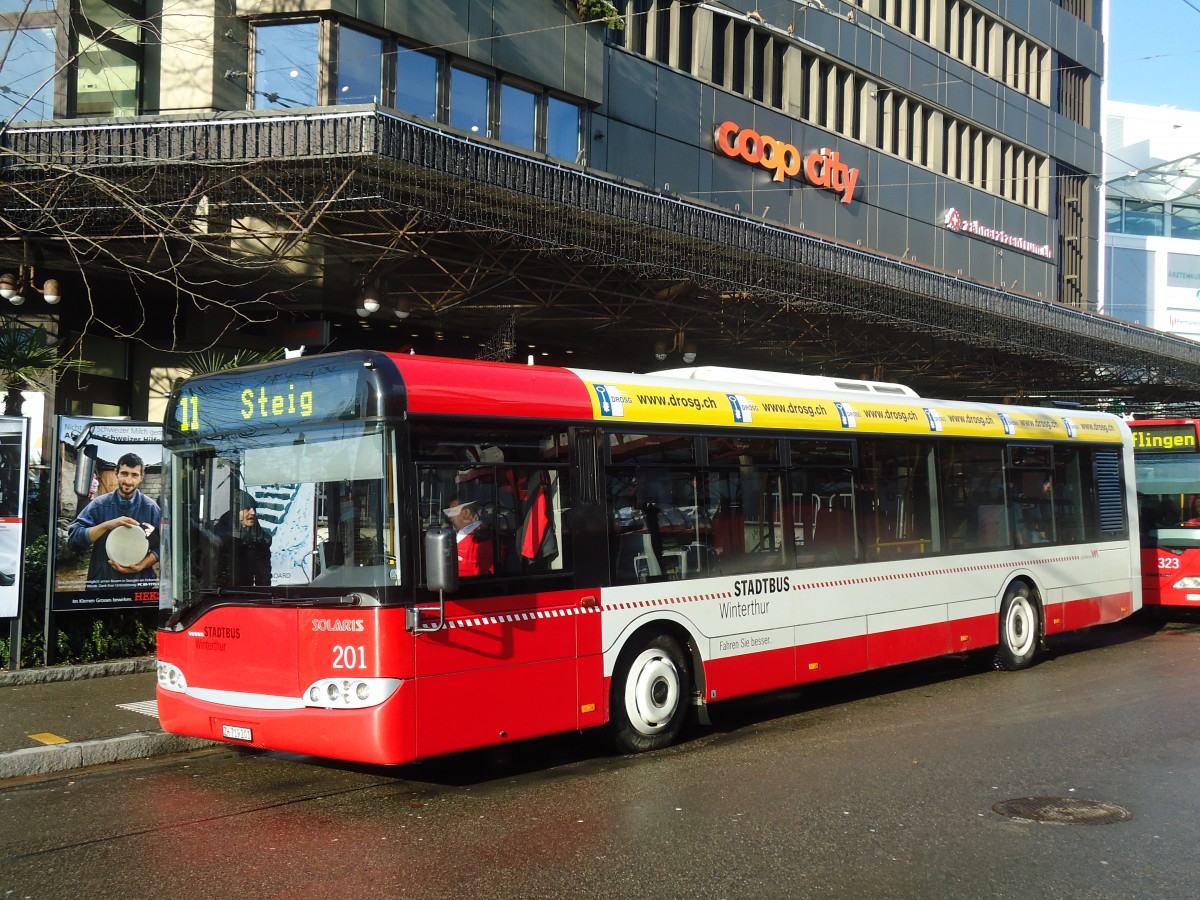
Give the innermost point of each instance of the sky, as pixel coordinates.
(1154, 58)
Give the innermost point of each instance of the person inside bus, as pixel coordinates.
(1192, 516)
(474, 541)
(1026, 514)
(244, 546)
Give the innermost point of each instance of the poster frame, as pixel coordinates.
(13, 518)
(87, 438)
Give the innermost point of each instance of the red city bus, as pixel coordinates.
(384, 557)
(1167, 464)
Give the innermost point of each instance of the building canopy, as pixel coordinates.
(273, 221)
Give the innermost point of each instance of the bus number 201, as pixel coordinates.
(349, 657)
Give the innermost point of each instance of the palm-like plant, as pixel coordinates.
(27, 357)
(216, 361)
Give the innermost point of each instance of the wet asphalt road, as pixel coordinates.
(876, 786)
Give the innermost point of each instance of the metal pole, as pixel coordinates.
(14, 643)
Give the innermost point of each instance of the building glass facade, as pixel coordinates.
(1152, 218)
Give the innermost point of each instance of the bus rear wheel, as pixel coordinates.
(650, 689)
(1020, 628)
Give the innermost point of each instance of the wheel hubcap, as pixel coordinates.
(652, 693)
(1020, 626)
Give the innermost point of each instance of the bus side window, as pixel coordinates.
(1066, 494)
(973, 497)
(742, 523)
(748, 521)
(515, 482)
(826, 531)
(660, 530)
(626, 525)
(727, 514)
(535, 540)
(823, 483)
(899, 483)
(1031, 510)
(656, 517)
(497, 493)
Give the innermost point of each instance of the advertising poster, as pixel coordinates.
(109, 478)
(14, 441)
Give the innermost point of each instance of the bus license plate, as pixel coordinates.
(236, 732)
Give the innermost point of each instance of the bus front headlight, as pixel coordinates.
(349, 693)
(170, 678)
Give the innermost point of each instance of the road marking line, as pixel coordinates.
(145, 707)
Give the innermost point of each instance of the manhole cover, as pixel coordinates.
(1063, 811)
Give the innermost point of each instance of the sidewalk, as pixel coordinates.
(68, 717)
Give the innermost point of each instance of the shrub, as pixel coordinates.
(80, 637)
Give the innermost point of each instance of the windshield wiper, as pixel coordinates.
(201, 598)
(352, 599)
(209, 593)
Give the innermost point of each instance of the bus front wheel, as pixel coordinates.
(1019, 628)
(650, 689)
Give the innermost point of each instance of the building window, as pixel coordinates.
(1072, 92)
(106, 357)
(108, 67)
(1143, 218)
(370, 68)
(1185, 222)
(518, 117)
(27, 78)
(524, 116)
(106, 82)
(960, 28)
(469, 96)
(417, 83)
(1073, 252)
(660, 29)
(1080, 9)
(564, 129)
(360, 67)
(104, 77)
(1112, 217)
(286, 65)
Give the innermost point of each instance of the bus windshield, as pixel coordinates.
(1168, 491)
(283, 513)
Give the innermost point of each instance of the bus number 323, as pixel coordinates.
(1168, 562)
(349, 657)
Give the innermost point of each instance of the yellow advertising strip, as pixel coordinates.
(623, 402)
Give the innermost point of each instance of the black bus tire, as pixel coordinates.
(1020, 628)
(651, 688)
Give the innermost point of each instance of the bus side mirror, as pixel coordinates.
(85, 468)
(441, 560)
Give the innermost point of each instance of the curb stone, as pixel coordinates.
(65, 757)
(76, 673)
(30, 761)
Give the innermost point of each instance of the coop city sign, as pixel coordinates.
(823, 169)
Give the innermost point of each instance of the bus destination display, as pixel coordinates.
(222, 403)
